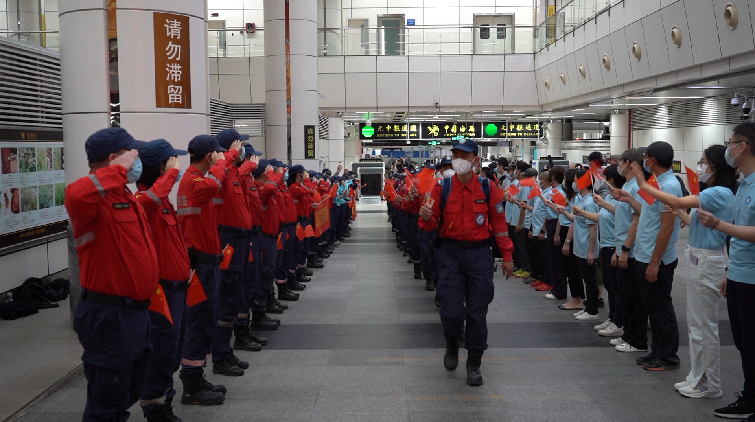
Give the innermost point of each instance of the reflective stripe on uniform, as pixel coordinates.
(211, 177)
(217, 200)
(154, 197)
(153, 402)
(501, 235)
(225, 323)
(83, 239)
(188, 362)
(97, 184)
(296, 201)
(189, 211)
(264, 208)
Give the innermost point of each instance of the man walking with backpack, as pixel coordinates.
(468, 213)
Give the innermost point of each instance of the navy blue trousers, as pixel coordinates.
(230, 295)
(268, 253)
(254, 296)
(201, 321)
(285, 258)
(117, 353)
(465, 289)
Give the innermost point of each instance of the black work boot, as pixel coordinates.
(260, 340)
(162, 415)
(273, 320)
(301, 278)
(315, 264)
(451, 358)
(259, 322)
(429, 286)
(238, 362)
(244, 340)
(227, 367)
(196, 391)
(306, 272)
(292, 284)
(271, 300)
(417, 271)
(217, 388)
(474, 376)
(285, 294)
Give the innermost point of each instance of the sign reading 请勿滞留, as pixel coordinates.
(172, 61)
(309, 141)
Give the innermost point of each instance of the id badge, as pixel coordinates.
(694, 259)
(430, 201)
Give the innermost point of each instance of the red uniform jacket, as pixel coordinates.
(166, 235)
(270, 211)
(286, 204)
(231, 208)
(467, 216)
(302, 198)
(195, 208)
(252, 194)
(112, 236)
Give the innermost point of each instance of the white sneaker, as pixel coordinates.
(587, 317)
(550, 296)
(603, 325)
(578, 313)
(627, 348)
(682, 384)
(617, 341)
(611, 331)
(701, 391)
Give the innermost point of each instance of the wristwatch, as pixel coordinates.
(542, 231)
(625, 248)
(568, 241)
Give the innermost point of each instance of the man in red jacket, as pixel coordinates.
(196, 190)
(468, 217)
(118, 272)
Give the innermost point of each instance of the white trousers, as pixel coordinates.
(707, 269)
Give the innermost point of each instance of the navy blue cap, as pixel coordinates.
(278, 163)
(296, 169)
(261, 166)
(108, 141)
(226, 137)
(326, 171)
(158, 151)
(467, 145)
(203, 145)
(249, 150)
(318, 175)
(445, 160)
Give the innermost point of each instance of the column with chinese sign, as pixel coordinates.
(291, 96)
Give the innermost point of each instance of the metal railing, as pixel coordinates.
(568, 18)
(45, 39)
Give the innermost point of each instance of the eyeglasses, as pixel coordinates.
(735, 143)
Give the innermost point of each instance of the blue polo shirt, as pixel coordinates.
(552, 215)
(512, 211)
(650, 224)
(607, 225)
(522, 196)
(565, 222)
(741, 253)
(582, 228)
(624, 215)
(719, 201)
(538, 215)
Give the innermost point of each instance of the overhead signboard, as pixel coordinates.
(518, 130)
(389, 131)
(447, 130)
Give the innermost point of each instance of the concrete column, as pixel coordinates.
(87, 81)
(619, 133)
(303, 75)
(335, 143)
(554, 134)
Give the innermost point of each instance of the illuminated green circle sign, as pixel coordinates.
(491, 129)
(368, 131)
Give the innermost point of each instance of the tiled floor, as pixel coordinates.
(364, 344)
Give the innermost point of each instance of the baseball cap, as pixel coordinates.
(226, 137)
(467, 145)
(445, 160)
(203, 145)
(661, 150)
(108, 141)
(158, 151)
(249, 150)
(296, 170)
(530, 172)
(261, 166)
(633, 155)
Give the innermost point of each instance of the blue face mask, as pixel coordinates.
(136, 171)
(574, 187)
(645, 166)
(180, 175)
(285, 176)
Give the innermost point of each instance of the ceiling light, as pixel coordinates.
(659, 98)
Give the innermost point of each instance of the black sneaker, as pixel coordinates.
(228, 368)
(601, 303)
(645, 359)
(659, 364)
(740, 409)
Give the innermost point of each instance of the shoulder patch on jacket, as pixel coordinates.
(121, 205)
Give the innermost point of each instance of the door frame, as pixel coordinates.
(493, 15)
(402, 28)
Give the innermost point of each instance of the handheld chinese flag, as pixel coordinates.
(529, 182)
(227, 255)
(280, 245)
(558, 198)
(195, 293)
(646, 196)
(409, 178)
(596, 170)
(300, 232)
(159, 304)
(693, 183)
(425, 181)
(534, 192)
(585, 181)
(513, 190)
(309, 231)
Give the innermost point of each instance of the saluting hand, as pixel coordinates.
(126, 159)
(172, 164)
(255, 159)
(216, 156)
(238, 146)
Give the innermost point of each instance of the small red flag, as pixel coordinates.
(597, 170)
(513, 190)
(159, 304)
(227, 255)
(251, 256)
(534, 192)
(195, 293)
(409, 179)
(300, 232)
(585, 181)
(309, 231)
(426, 180)
(693, 182)
(280, 245)
(646, 196)
(558, 198)
(530, 182)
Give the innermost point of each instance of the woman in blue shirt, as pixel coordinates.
(576, 288)
(707, 265)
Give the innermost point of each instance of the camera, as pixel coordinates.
(746, 109)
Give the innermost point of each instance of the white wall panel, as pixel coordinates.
(650, 6)
(303, 39)
(456, 63)
(590, 33)
(485, 63)
(456, 89)
(572, 74)
(714, 134)
(424, 63)
(518, 63)
(539, 78)
(390, 64)
(739, 40)
(579, 38)
(679, 57)
(333, 86)
(214, 87)
(94, 74)
(652, 27)
(57, 256)
(441, 15)
(594, 66)
(235, 88)
(332, 64)
(561, 67)
(424, 88)
(703, 32)
(675, 137)
(360, 64)
(640, 68)
(640, 138)
(617, 18)
(21, 265)
(580, 57)
(466, 14)
(519, 89)
(275, 101)
(487, 88)
(693, 139)
(392, 90)
(302, 76)
(632, 10)
(232, 65)
(620, 57)
(601, 25)
(361, 90)
(258, 88)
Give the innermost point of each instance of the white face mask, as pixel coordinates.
(437, 174)
(461, 166)
(448, 173)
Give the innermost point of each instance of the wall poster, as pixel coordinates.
(32, 185)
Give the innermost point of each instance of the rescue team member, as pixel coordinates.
(161, 172)
(468, 218)
(199, 228)
(303, 198)
(427, 237)
(119, 274)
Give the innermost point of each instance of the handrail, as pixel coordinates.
(570, 17)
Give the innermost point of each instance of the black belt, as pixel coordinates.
(256, 229)
(268, 235)
(120, 301)
(204, 258)
(235, 230)
(468, 244)
(286, 225)
(174, 285)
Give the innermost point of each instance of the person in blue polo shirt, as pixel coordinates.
(739, 285)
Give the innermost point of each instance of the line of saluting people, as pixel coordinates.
(577, 232)
(165, 288)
